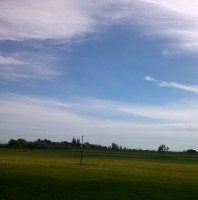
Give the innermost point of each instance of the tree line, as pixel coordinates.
(75, 143)
(48, 144)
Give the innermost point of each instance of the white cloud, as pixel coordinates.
(32, 118)
(28, 66)
(167, 52)
(174, 20)
(44, 19)
(11, 61)
(148, 78)
(174, 113)
(64, 19)
(188, 88)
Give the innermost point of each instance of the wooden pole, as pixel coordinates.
(81, 154)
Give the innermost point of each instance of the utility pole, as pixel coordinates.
(81, 154)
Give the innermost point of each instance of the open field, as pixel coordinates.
(56, 174)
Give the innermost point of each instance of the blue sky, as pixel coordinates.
(118, 71)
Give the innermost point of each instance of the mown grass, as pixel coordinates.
(56, 174)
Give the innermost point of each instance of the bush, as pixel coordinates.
(191, 151)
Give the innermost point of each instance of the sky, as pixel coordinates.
(122, 71)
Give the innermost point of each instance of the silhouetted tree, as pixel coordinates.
(13, 142)
(22, 142)
(73, 143)
(47, 141)
(163, 147)
(191, 151)
(87, 145)
(114, 146)
(78, 143)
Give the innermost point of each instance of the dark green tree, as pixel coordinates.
(78, 144)
(74, 142)
(191, 151)
(114, 146)
(13, 142)
(22, 142)
(163, 147)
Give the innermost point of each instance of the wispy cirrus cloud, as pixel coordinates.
(11, 61)
(187, 88)
(93, 108)
(64, 19)
(21, 20)
(30, 117)
(28, 66)
(174, 20)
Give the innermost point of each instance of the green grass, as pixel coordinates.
(56, 174)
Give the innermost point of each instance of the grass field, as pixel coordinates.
(56, 174)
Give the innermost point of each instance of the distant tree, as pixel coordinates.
(73, 143)
(124, 148)
(47, 141)
(191, 151)
(87, 145)
(78, 143)
(13, 142)
(114, 146)
(22, 142)
(163, 147)
(66, 144)
(18, 143)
